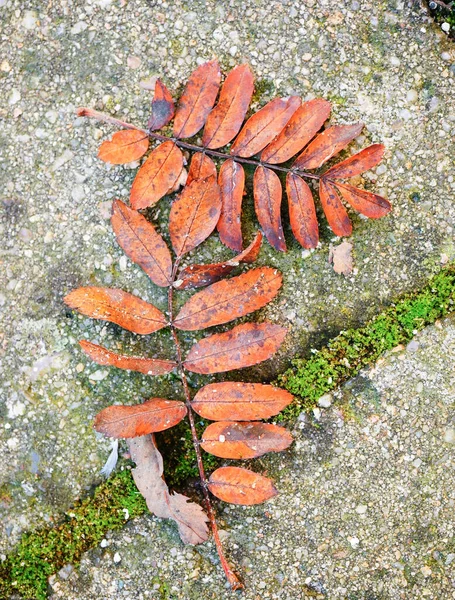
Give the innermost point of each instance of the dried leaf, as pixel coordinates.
(153, 415)
(201, 167)
(117, 306)
(301, 128)
(240, 486)
(334, 210)
(162, 107)
(157, 175)
(369, 204)
(327, 144)
(341, 258)
(242, 346)
(267, 202)
(142, 243)
(240, 401)
(226, 118)
(302, 212)
(358, 163)
(197, 99)
(148, 366)
(230, 439)
(148, 477)
(263, 126)
(227, 300)
(195, 276)
(232, 183)
(124, 147)
(194, 214)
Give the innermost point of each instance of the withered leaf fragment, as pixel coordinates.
(124, 147)
(241, 486)
(162, 107)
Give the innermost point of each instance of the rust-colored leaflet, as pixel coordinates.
(201, 167)
(142, 243)
(302, 212)
(197, 99)
(369, 204)
(240, 440)
(148, 366)
(195, 276)
(226, 118)
(301, 128)
(357, 163)
(232, 183)
(124, 147)
(117, 306)
(194, 214)
(162, 107)
(241, 486)
(153, 415)
(156, 176)
(327, 144)
(334, 210)
(263, 126)
(242, 346)
(267, 203)
(240, 401)
(230, 299)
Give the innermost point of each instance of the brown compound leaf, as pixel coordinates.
(327, 144)
(267, 203)
(241, 486)
(232, 183)
(148, 366)
(226, 118)
(368, 204)
(194, 214)
(358, 163)
(157, 175)
(263, 126)
(153, 415)
(237, 440)
(148, 476)
(162, 107)
(201, 167)
(230, 299)
(195, 276)
(302, 212)
(240, 401)
(242, 346)
(124, 147)
(142, 243)
(197, 99)
(336, 214)
(117, 306)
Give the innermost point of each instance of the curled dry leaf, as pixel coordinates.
(267, 203)
(117, 306)
(124, 147)
(334, 210)
(241, 486)
(327, 144)
(153, 415)
(302, 212)
(232, 183)
(237, 440)
(227, 300)
(148, 366)
(201, 167)
(240, 401)
(369, 204)
(358, 163)
(162, 107)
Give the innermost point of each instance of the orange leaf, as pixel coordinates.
(194, 214)
(267, 203)
(357, 163)
(142, 243)
(117, 306)
(334, 210)
(162, 107)
(240, 401)
(327, 144)
(242, 346)
(195, 276)
(201, 167)
(124, 147)
(301, 128)
(240, 486)
(263, 126)
(230, 299)
(156, 176)
(148, 366)
(302, 213)
(153, 415)
(230, 439)
(232, 182)
(369, 204)
(226, 118)
(197, 99)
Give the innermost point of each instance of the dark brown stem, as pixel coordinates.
(232, 578)
(88, 112)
